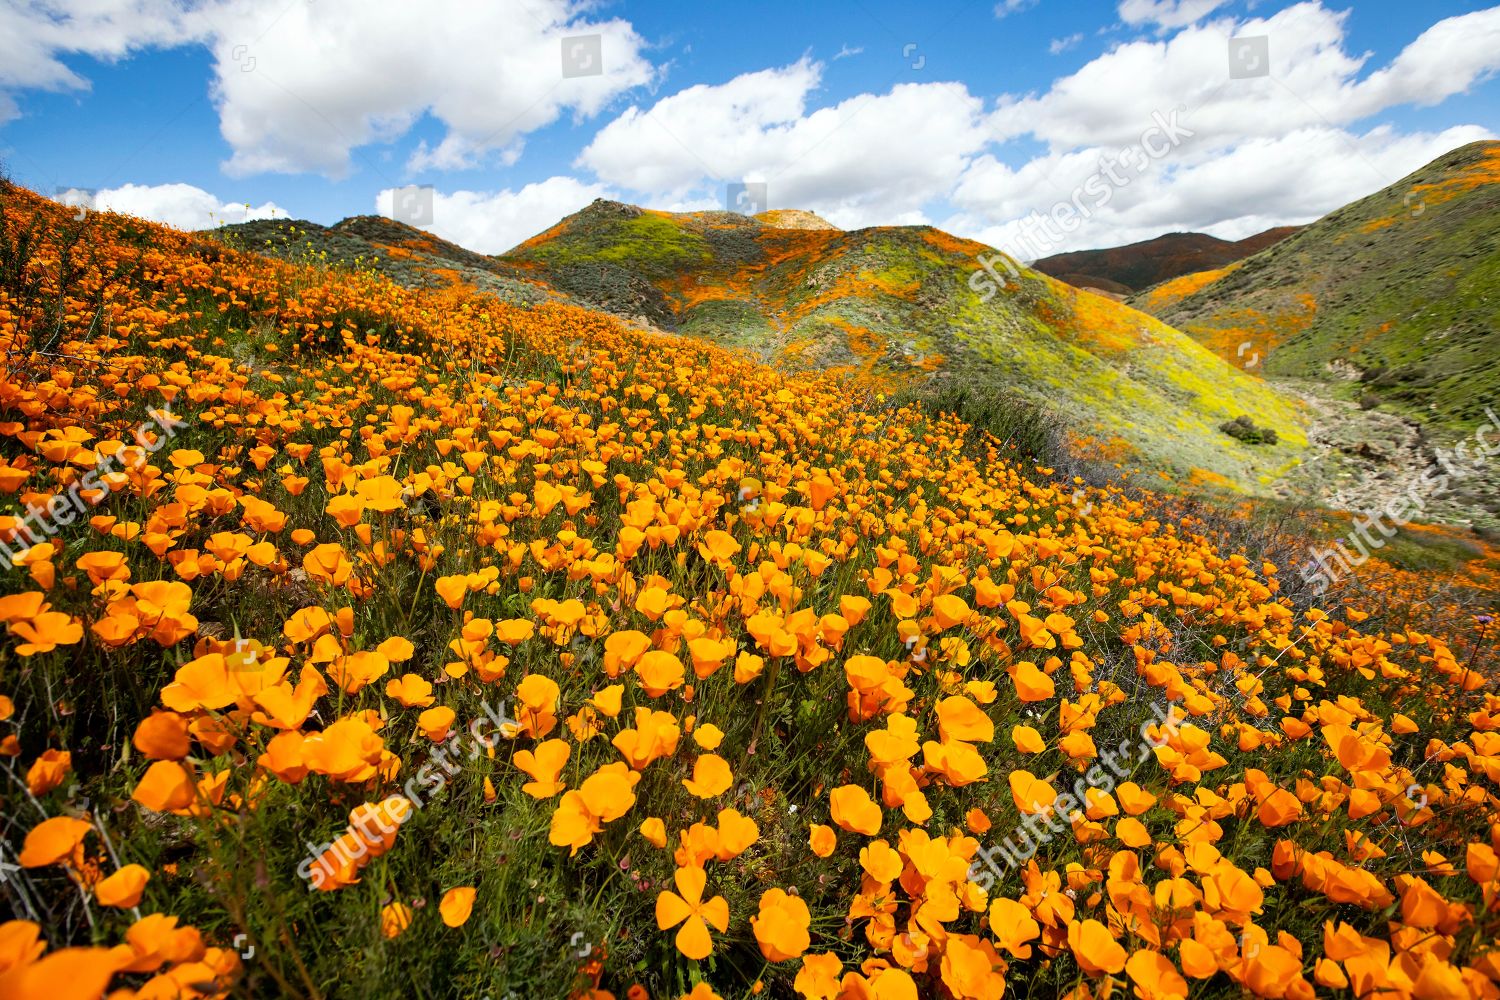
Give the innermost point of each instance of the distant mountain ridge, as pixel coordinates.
(1128, 269)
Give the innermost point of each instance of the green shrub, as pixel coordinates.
(1243, 429)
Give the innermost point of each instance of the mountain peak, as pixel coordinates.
(795, 218)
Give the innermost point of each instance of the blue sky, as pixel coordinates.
(971, 116)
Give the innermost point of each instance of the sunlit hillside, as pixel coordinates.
(929, 312)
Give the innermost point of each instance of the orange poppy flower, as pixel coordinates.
(328, 563)
(655, 832)
(1030, 793)
(660, 672)
(688, 908)
(1155, 977)
(167, 786)
(544, 765)
(46, 632)
(604, 797)
(410, 690)
(124, 888)
(818, 979)
(821, 839)
(781, 926)
(456, 905)
(1096, 951)
(854, 810)
(162, 736)
(711, 776)
(52, 840)
(86, 972)
(395, 918)
(436, 723)
(48, 771)
(1031, 683)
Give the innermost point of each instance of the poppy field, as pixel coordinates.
(367, 641)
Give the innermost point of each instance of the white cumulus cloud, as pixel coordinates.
(493, 222)
(299, 86)
(180, 205)
(1167, 13)
(34, 35)
(870, 159)
(1264, 151)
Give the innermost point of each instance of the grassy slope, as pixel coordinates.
(896, 302)
(295, 415)
(1402, 286)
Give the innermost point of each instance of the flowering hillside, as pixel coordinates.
(923, 309)
(367, 641)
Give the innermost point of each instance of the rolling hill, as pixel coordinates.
(910, 304)
(1128, 269)
(906, 305)
(1294, 339)
(409, 256)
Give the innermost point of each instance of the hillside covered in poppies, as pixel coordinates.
(364, 639)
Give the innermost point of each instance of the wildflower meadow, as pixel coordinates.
(454, 648)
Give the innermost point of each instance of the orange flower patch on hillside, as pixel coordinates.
(1085, 318)
(1169, 293)
(955, 246)
(540, 239)
(1262, 331)
(1485, 171)
(1207, 477)
(1113, 450)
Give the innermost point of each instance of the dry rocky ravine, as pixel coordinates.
(1361, 460)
